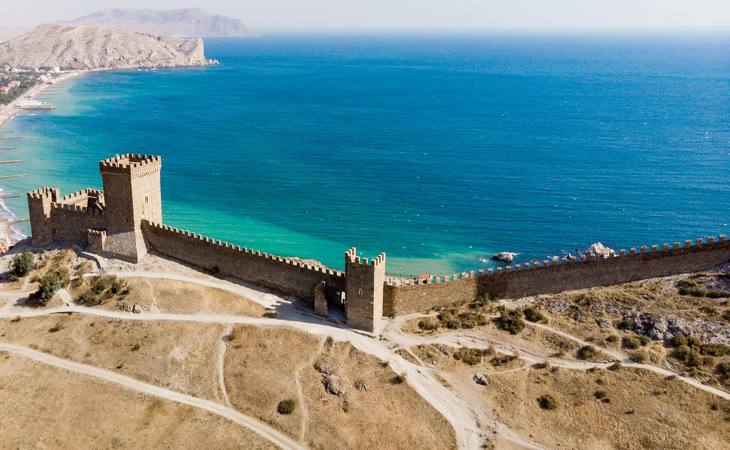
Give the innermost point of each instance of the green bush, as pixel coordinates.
(534, 315)
(677, 340)
(428, 324)
(644, 340)
(511, 321)
(49, 284)
(587, 352)
(612, 338)
(470, 356)
(449, 319)
(723, 370)
(638, 356)
(22, 264)
(547, 402)
(286, 407)
(625, 324)
(715, 349)
(502, 359)
(630, 342)
(688, 356)
(615, 367)
(600, 395)
(472, 319)
(102, 288)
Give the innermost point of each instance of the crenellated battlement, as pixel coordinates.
(81, 194)
(222, 246)
(129, 164)
(46, 192)
(352, 258)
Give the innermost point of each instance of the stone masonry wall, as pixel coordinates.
(281, 274)
(548, 277)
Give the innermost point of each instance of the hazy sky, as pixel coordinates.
(409, 14)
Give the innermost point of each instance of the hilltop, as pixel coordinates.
(91, 47)
(172, 22)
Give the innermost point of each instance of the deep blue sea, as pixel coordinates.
(437, 149)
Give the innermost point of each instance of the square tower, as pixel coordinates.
(364, 292)
(131, 193)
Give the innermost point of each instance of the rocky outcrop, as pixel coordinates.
(598, 251)
(90, 47)
(167, 22)
(505, 257)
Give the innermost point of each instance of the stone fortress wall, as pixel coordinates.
(125, 221)
(555, 275)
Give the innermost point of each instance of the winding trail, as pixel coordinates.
(464, 414)
(252, 424)
(222, 346)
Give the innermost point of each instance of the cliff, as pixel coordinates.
(91, 47)
(172, 22)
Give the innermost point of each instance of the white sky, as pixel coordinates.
(409, 14)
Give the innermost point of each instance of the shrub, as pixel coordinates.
(599, 394)
(547, 402)
(625, 324)
(715, 349)
(286, 407)
(612, 339)
(726, 315)
(615, 366)
(102, 288)
(472, 319)
(470, 356)
(688, 356)
(630, 342)
(638, 357)
(677, 340)
(400, 378)
(49, 284)
(723, 370)
(502, 359)
(511, 321)
(449, 319)
(56, 328)
(534, 315)
(587, 352)
(22, 264)
(428, 324)
(644, 340)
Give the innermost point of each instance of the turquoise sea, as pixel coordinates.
(437, 149)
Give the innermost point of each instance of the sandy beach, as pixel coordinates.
(9, 111)
(8, 234)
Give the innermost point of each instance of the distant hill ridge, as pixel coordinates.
(191, 22)
(91, 47)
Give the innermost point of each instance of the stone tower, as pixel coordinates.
(39, 210)
(364, 292)
(131, 193)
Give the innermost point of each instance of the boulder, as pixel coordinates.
(480, 379)
(505, 257)
(334, 384)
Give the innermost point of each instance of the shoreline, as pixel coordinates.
(9, 235)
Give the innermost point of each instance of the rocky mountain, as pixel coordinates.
(172, 22)
(91, 47)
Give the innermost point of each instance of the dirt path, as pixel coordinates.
(267, 432)
(304, 423)
(456, 411)
(222, 364)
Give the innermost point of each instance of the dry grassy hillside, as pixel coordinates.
(91, 47)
